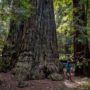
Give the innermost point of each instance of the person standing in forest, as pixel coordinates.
(68, 70)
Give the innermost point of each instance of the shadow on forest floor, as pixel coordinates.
(8, 82)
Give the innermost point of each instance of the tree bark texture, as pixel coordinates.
(37, 48)
(10, 50)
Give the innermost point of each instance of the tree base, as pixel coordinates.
(25, 71)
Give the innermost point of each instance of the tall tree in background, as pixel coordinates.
(80, 22)
(81, 48)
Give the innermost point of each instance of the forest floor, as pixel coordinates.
(8, 82)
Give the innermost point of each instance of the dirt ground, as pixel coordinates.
(8, 82)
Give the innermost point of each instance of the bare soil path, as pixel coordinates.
(8, 82)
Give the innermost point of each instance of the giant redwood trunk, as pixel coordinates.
(81, 49)
(38, 57)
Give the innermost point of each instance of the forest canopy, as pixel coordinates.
(63, 14)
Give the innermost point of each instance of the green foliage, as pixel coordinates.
(22, 9)
(65, 23)
(64, 18)
(4, 23)
(62, 57)
(17, 10)
(63, 14)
